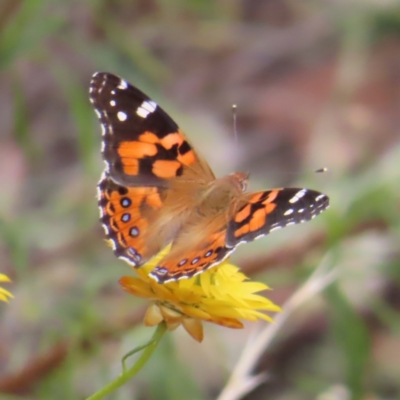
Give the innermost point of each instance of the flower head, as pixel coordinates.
(4, 294)
(222, 295)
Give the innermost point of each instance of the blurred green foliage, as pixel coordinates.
(196, 57)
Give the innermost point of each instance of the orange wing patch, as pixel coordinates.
(136, 149)
(149, 137)
(167, 141)
(253, 216)
(243, 213)
(269, 207)
(271, 197)
(172, 139)
(132, 152)
(257, 219)
(188, 158)
(130, 165)
(165, 168)
(257, 197)
(242, 230)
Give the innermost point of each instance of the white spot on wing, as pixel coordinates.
(147, 107)
(103, 82)
(300, 210)
(113, 103)
(106, 230)
(288, 212)
(98, 113)
(123, 85)
(298, 196)
(122, 116)
(276, 228)
(142, 113)
(320, 197)
(150, 105)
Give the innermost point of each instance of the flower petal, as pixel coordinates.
(5, 295)
(170, 316)
(194, 328)
(196, 312)
(137, 287)
(4, 278)
(153, 315)
(221, 295)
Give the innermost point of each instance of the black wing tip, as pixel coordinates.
(98, 79)
(102, 74)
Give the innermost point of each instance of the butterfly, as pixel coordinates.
(157, 190)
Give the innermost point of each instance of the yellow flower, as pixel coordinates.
(4, 294)
(221, 295)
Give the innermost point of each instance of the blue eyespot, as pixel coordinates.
(125, 217)
(134, 231)
(125, 202)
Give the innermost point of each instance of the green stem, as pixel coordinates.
(131, 372)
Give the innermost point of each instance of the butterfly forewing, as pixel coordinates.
(142, 145)
(258, 214)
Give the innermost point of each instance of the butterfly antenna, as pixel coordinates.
(234, 116)
(321, 170)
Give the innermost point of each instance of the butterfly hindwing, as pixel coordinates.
(142, 145)
(126, 213)
(260, 213)
(178, 264)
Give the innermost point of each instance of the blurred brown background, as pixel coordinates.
(317, 83)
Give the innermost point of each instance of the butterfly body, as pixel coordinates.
(156, 190)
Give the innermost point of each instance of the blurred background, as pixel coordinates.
(317, 84)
